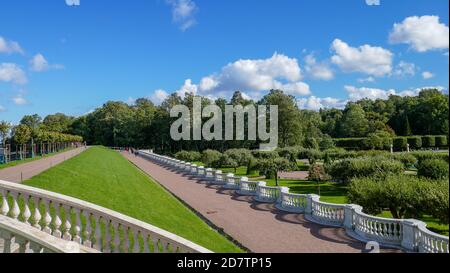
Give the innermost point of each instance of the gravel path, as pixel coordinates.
(25, 171)
(259, 227)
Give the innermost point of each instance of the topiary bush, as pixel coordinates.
(433, 168)
(379, 166)
(400, 143)
(211, 158)
(424, 155)
(428, 141)
(415, 142)
(188, 156)
(441, 141)
(407, 159)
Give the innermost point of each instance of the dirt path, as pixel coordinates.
(25, 171)
(259, 227)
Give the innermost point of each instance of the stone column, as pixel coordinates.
(349, 212)
(410, 228)
(309, 200)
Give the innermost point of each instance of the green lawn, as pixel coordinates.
(18, 162)
(103, 177)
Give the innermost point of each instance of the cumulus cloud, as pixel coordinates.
(368, 79)
(427, 75)
(359, 93)
(421, 33)
(159, 96)
(405, 69)
(39, 64)
(183, 13)
(10, 72)
(9, 46)
(314, 103)
(19, 100)
(319, 71)
(371, 60)
(252, 76)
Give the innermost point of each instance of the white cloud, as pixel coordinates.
(368, 79)
(10, 72)
(359, 93)
(188, 87)
(427, 75)
(2, 109)
(421, 33)
(405, 69)
(183, 13)
(158, 96)
(319, 71)
(19, 100)
(375, 61)
(39, 64)
(315, 103)
(9, 46)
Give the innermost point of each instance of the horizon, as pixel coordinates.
(75, 58)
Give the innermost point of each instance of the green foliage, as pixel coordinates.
(429, 141)
(326, 142)
(241, 156)
(415, 142)
(433, 168)
(290, 153)
(424, 155)
(4, 130)
(227, 161)
(407, 159)
(211, 158)
(405, 196)
(265, 154)
(378, 166)
(441, 141)
(21, 134)
(354, 122)
(188, 156)
(311, 143)
(400, 143)
(379, 140)
(271, 166)
(317, 173)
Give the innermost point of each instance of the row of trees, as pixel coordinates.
(144, 124)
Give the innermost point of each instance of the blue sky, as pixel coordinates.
(72, 59)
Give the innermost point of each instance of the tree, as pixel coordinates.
(270, 167)
(4, 130)
(21, 135)
(354, 122)
(57, 123)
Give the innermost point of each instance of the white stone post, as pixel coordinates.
(280, 197)
(194, 169)
(218, 177)
(410, 229)
(309, 200)
(407, 147)
(349, 212)
(392, 148)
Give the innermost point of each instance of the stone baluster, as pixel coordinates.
(97, 233)
(107, 248)
(87, 229)
(23, 244)
(126, 239)
(26, 213)
(8, 238)
(47, 217)
(280, 196)
(77, 228)
(5, 207)
(15, 211)
(116, 228)
(145, 240)
(57, 220)
(136, 246)
(37, 213)
(67, 224)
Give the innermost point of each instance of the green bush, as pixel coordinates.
(415, 142)
(317, 173)
(441, 141)
(310, 143)
(188, 156)
(378, 166)
(407, 159)
(405, 196)
(424, 155)
(265, 154)
(326, 142)
(290, 153)
(400, 143)
(433, 168)
(428, 141)
(350, 143)
(241, 156)
(211, 158)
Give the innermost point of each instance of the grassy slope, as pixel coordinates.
(104, 177)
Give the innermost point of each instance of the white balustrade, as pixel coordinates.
(86, 224)
(194, 169)
(410, 234)
(292, 202)
(219, 178)
(248, 187)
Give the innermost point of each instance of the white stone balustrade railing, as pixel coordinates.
(194, 169)
(408, 234)
(89, 225)
(219, 178)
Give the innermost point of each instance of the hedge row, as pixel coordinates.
(399, 143)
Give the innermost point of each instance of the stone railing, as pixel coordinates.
(92, 227)
(407, 234)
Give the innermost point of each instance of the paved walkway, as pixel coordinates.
(259, 227)
(25, 171)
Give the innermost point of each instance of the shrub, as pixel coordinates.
(252, 166)
(241, 156)
(317, 173)
(326, 142)
(227, 161)
(350, 143)
(290, 153)
(189, 156)
(404, 195)
(433, 168)
(378, 166)
(378, 141)
(400, 143)
(441, 141)
(311, 143)
(415, 142)
(424, 155)
(407, 159)
(265, 154)
(428, 141)
(211, 158)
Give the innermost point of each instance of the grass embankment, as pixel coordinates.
(103, 177)
(18, 162)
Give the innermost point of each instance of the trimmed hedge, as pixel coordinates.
(429, 141)
(383, 143)
(415, 142)
(433, 168)
(441, 141)
(400, 143)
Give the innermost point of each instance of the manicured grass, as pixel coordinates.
(18, 162)
(103, 177)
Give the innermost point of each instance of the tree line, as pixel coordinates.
(146, 125)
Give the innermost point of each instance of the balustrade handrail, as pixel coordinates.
(96, 210)
(347, 215)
